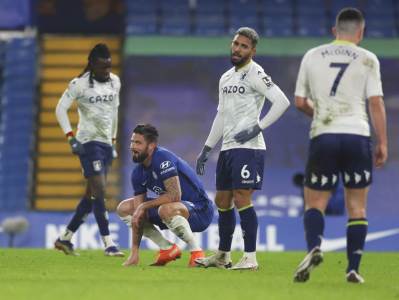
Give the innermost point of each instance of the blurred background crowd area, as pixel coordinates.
(272, 18)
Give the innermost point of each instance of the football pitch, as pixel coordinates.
(48, 274)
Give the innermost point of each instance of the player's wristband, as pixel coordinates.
(69, 135)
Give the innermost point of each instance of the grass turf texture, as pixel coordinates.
(48, 274)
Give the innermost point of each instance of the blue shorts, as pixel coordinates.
(97, 158)
(334, 155)
(240, 169)
(201, 215)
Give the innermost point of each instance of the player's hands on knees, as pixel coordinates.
(380, 155)
(201, 160)
(247, 134)
(76, 146)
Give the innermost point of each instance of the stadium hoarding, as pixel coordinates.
(275, 233)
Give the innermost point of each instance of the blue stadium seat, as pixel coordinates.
(382, 7)
(380, 26)
(312, 26)
(277, 7)
(210, 24)
(174, 7)
(311, 7)
(337, 5)
(277, 26)
(175, 17)
(210, 7)
(22, 43)
(17, 109)
(243, 7)
(175, 25)
(141, 24)
(141, 6)
(26, 70)
(249, 21)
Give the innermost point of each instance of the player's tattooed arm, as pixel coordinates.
(172, 194)
(173, 189)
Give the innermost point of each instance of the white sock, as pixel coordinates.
(225, 254)
(250, 255)
(127, 220)
(108, 242)
(150, 231)
(67, 235)
(180, 226)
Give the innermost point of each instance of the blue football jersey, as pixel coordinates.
(164, 165)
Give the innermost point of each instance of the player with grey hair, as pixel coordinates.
(242, 93)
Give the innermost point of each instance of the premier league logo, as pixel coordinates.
(97, 165)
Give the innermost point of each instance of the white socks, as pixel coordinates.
(180, 226)
(108, 242)
(67, 235)
(151, 232)
(250, 255)
(225, 255)
(127, 220)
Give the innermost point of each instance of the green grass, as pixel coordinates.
(48, 274)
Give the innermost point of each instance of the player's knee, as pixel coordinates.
(242, 194)
(123, 209)
(165, 212)
(169, 210)
(242, 197)
(224, 200)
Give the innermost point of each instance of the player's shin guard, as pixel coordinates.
(356, 232)
(227, 224)
(82, 210)
(249, 226)
(313, 221)
(101, 215)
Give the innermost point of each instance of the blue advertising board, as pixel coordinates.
(274, 234)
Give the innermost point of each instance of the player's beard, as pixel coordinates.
(103, 78)
(140, 157)
(238, 62)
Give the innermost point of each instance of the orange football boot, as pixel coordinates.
(194, 256)
(168, 255)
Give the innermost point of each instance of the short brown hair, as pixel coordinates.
(149, 132)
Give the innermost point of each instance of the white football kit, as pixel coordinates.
(97, 108)
(338, 78)
(242, 95)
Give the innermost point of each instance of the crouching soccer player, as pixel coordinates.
(182, 205)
